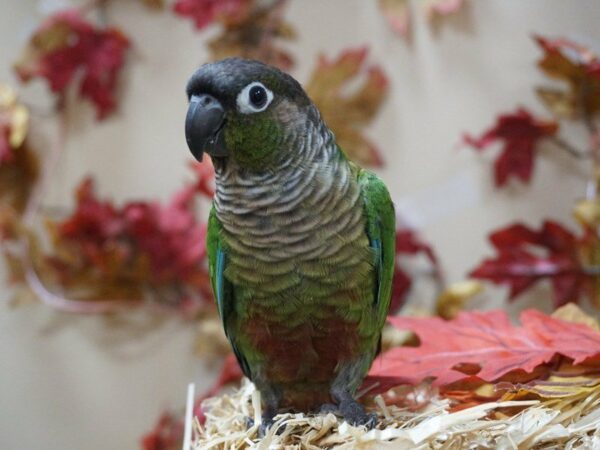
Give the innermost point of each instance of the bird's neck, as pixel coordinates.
(310, 162)
(314, 187)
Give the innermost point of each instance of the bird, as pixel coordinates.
(300, 240)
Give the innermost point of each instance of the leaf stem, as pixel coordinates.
(570, 149)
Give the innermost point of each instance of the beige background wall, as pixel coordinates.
(77, 383)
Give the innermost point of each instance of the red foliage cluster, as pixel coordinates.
(408, 243)
(205, 12)
(520, 132)
(122, 251)
(169, 235)
(526, 256)
(67, 48)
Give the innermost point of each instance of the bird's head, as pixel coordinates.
(244, 110)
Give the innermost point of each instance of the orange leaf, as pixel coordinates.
(486, 339)
(347, 111)
(576, 65)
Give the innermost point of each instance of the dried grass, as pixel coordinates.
(556, 424)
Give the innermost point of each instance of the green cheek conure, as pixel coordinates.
(300, 240)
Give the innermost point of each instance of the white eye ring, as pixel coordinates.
(246, 105)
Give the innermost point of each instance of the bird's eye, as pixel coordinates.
(255, 97)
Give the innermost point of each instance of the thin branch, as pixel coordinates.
(567, 147)
(550, 272)
(32, 209)
(588, 120)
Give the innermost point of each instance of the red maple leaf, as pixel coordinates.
(520, 132)
(485, 344)
(67, 48)
(94, 227)
(92, 219)
(169, 235)
(205, 12)
(408, 242)
(526, 256)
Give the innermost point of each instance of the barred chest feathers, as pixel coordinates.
(305, 215)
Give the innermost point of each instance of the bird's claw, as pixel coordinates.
(265, 425)
(264, 428)
(329, 408)
(355, 414)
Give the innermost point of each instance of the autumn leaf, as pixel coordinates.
(14, 122)
(409, 243)
(18, 163)
(519, 133)
(574, 314)
(567, 381)
(482, 344)
(348, 113)
(67, 49)
(577, 66)
(526, 256)
(249, 28)
(452, 300)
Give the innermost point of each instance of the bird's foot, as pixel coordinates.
(264, 427)
(354, 413)
(249, 421)
(329, 408)
(265, 424)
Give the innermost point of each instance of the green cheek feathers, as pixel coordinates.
(254, 141)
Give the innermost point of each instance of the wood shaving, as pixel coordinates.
(537, 425)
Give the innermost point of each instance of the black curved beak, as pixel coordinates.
(203, 125)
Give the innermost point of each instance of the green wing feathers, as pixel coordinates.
(214, 250)
(222, 289)
(381, 230)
